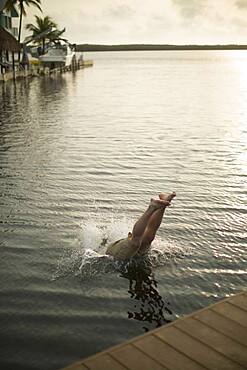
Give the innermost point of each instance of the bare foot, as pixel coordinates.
(167, 197)
(159, 203)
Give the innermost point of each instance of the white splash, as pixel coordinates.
(87, 257)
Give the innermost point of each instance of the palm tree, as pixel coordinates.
(46, 28)
(22, 4)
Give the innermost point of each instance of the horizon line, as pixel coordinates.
(150, 47)
(151, 44)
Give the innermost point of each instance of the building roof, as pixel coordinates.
(7, 41)
(14, 12)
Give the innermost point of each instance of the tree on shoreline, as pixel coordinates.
(22, 4)
(46, 28)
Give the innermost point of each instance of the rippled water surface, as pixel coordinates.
(80, 157)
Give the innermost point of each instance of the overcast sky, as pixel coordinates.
(149, 21)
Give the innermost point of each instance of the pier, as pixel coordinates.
(35, 71)
(214, 338)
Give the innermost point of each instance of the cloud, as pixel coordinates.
(242, 4)
(149, 21)
(121, 11)
(191, 8)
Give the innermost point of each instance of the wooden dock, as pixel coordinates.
(36, 71)
(214, 338)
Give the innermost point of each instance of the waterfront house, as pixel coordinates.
(8, 19)
(8, 39)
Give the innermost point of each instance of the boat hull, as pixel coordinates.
(56, 57)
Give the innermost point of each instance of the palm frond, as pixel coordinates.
(22, 4)
(10, 4)
(35, 3)
(44, 25)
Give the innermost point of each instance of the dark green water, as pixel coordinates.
(80, 157)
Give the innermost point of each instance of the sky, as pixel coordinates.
(148, 21)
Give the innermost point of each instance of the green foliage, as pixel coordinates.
(22, 4)
(42, 25)
(46, 28)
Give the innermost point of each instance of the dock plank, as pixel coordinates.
(196, 350)
(219, 342)
(214, 338)
(240, 301)
(104, 362)
(135, 359)
(167, 355)
(225, 326)
(231, 312)
(76, 366)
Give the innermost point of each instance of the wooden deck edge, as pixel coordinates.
(134, 339)
(42, 71)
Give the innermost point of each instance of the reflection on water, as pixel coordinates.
(143, 288)
(97, 146)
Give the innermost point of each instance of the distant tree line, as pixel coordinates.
(129, 47)
(47, 29)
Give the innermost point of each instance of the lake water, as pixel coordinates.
(81, 155)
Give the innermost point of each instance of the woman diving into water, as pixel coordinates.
(139, 241)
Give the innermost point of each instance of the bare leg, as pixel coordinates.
(155, 221)
(140, 226)
(123, 249)
(152, 227)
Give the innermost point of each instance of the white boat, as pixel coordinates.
(58, 55)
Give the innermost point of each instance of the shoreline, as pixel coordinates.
(152, 47)
(39, 71)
